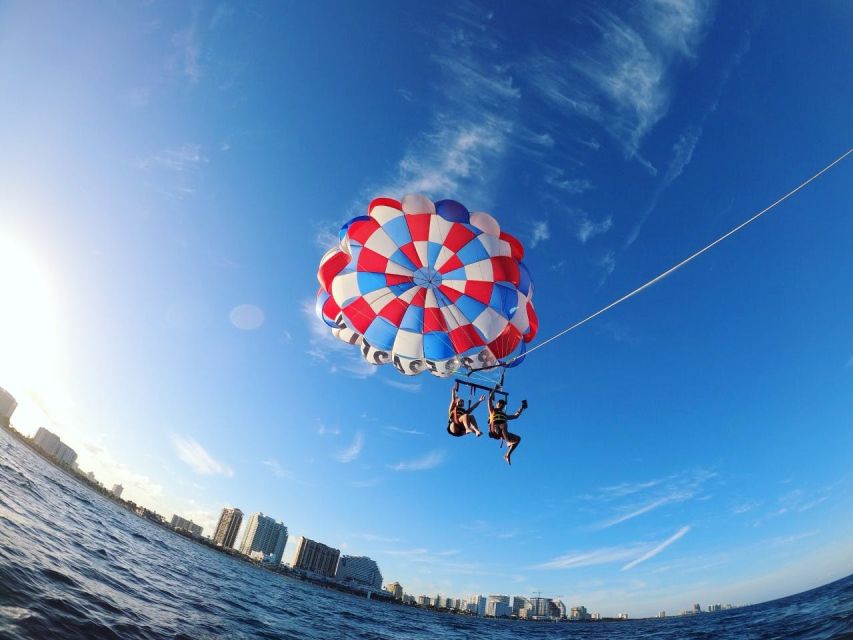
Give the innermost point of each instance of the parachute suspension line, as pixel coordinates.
(676, 267)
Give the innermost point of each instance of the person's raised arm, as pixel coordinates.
(492, 400)
(517, 413)
(477, 404)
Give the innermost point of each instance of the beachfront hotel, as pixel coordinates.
(8, 404)
(227, 527)
(187, 525)
(315, 557)
(359, 569)
(53, 446)
(266, 536)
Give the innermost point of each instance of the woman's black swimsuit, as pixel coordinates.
(450, 423)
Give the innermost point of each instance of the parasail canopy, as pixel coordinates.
(428, 286)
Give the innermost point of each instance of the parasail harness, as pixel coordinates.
(496, 390)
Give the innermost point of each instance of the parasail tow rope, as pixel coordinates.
(676, 267)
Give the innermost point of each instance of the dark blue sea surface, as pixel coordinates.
(75, 565)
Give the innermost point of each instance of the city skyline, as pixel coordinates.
(168, 191)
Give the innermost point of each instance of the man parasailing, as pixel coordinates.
(498, 424)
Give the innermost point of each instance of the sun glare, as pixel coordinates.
(29, 337)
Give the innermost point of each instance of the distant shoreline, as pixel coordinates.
(285, 572)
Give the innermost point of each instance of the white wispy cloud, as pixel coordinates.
(556, 178)
(428, 461)
(277, 470)
(606, 555)
(849, 362)
(607, 264)
(181, 158)
(326, 233)
(745, 507)
(187, 50)
(539, 232)
(685, 145)
(453, 153)
(411, 432)
(192, 453)
(795, 537)
(325, 430)
(682, 153)
(799, 500)
(373, 537)
(651, 553)
(353, 451)
(624, 81)
(648, 495)
(364, 484)
(459, 153)
(175, 171)
(678, 496)
(137, 485)
(625, 489)
(408, 387)
(587, 229)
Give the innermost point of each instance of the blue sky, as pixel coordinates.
(170, 175)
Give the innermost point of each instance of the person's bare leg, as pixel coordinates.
(512, 444)
(470, 423)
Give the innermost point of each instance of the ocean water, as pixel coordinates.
(74, 565)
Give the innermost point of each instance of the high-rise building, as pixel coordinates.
(117, 490)
(8, 404)
(187, 525)
(498, 606)
(265, 535)
(479, 604)
(540, 608)
(697, 608)
(519, 603)
(315, 557)
(359, 569)
(661, 614)
(558, 610)
(51, 444)
(396, 589)
(227, 527)
(578, 613)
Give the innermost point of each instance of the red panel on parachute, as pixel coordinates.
(384, 202)
(434, 320)
(514, 244)
(359, 314)
(411, 253)
(393, 278)
(534, 323)
(361, 230)
(453, 263)
(459, 236)
(450, 293)
(506, 342)
(479, 290)
(394, 311)
(370, 261)
(330, 268)
(419, 226)
(465, 337)
(505, 269)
